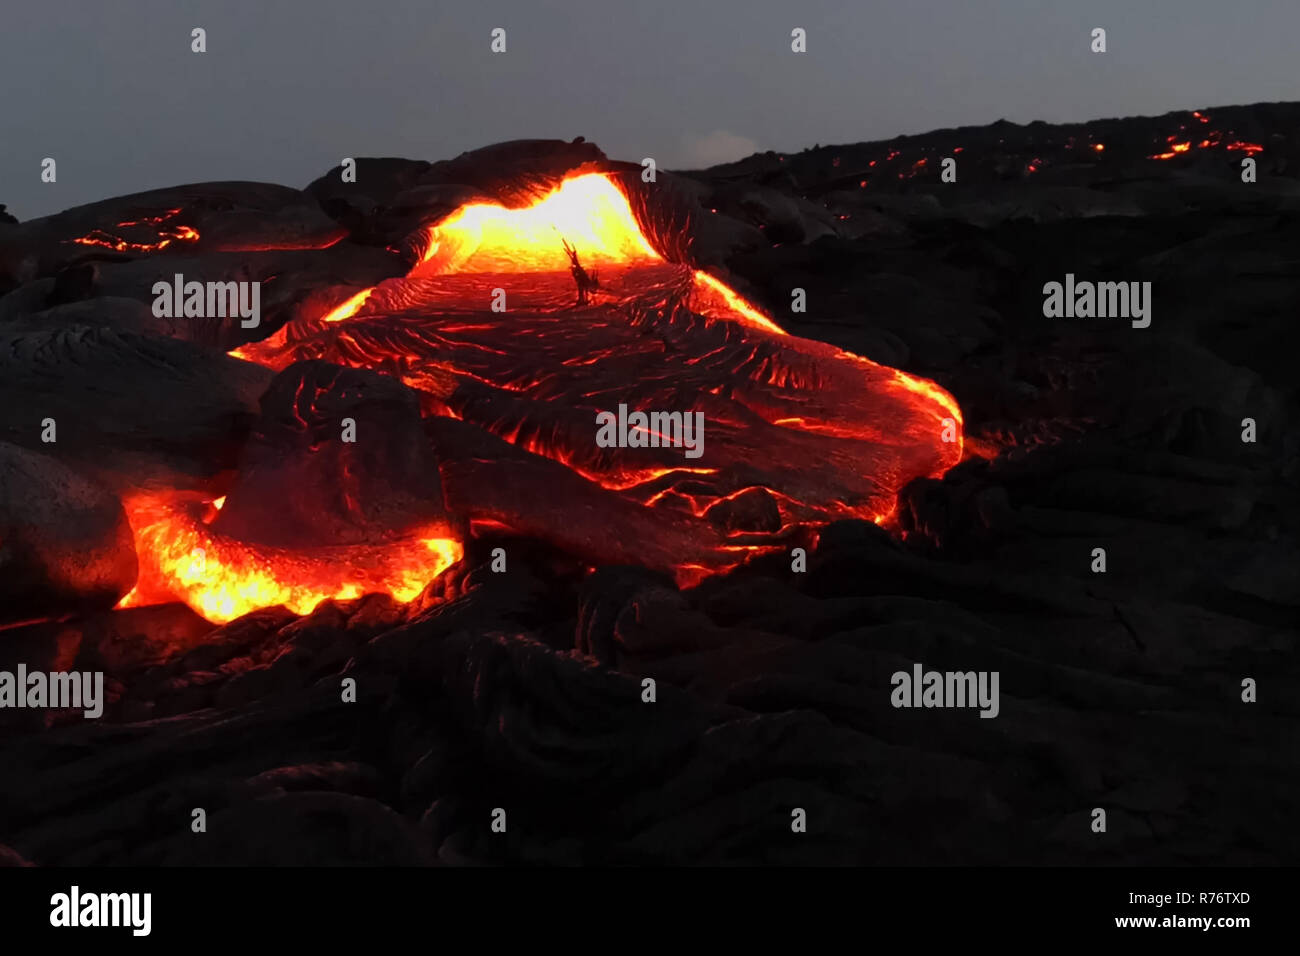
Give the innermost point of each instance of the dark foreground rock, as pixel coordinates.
(65, 544)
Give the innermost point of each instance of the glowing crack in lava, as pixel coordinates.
(798, 432)
(167, 233)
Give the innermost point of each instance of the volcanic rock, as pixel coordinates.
(294, 283)
(64, 541)
(678, 218)
(29, 297)
(486, 478)
(127, 408)
(337, 457)
(514, 171)
(202, 217)
(110, 312)
(378, 179)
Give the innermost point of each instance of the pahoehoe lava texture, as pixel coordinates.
(523, 689)
(538, 374)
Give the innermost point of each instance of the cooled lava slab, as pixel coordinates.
(129, 408)
(65, 544)
(203, 217)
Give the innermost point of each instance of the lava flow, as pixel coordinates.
(222, 578)
(1213, 140)
(521, 325)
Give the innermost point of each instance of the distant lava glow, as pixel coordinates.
(167, 233)
(1214, 140)
(814, 432)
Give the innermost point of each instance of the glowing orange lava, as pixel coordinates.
(168, 234)
(348, 308)
(711, 292)
(182, 558)
(587, 211)
(1212, 141)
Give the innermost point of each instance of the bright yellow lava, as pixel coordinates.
(587, 211)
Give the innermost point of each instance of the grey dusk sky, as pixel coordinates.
(287, 88)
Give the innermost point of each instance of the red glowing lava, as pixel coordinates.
(181, 558)
(801, 433)
(1212, 141)
(167, 233)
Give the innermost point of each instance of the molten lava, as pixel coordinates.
(348, 308)
(799, 432)
(221, 578)
(588, 211)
